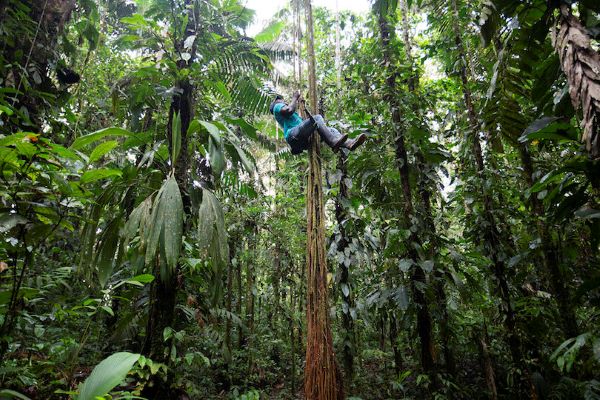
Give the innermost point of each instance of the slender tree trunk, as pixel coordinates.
(164, 292)
(249, 298)
(299, 84)
(345, 284)
(550, 257)
(394, 343)
(425, 197)
(338, 50)
(292, 336)
(491, 234)
(276, 287)
(321, 376)
(228, 299)
(238, 304)
(298, 42)
(488, 366)
(12, 312)
(382, 322)
(418, 279)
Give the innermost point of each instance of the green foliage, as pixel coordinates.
(211, 230)
(165, 228)
(86, 140)
(106, 375)
(122, 197)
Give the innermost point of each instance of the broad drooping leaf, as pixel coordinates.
(212, 237)
(270, 33)
(83, 141)
(176, 138)
(138, 221)
(105, 258)
(166, 228)
(98, 174)
(549, 128)
(102, 149)
(106, 375)
(11, 394)
(217, 158)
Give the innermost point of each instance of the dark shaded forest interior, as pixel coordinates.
(159, 240)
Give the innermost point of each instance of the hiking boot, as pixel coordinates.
(352, 144)
(332, 136)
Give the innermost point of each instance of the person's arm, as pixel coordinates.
(291, 108)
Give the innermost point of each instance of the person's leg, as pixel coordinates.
(299, 137)
(331, 136)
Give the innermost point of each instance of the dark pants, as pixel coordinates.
(299, 137)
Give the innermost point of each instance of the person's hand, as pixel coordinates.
(297, 95)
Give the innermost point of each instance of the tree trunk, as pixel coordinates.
(394, 343)
(491, 234)
(164, 291)
(238, 304)
(425, 197)
(16, 300)
(292, 336)
(276, 288)
(321, 377)
(382, 321)
(550, 257)
(418, 280)
(228, 299)
(249, 298)
(488, 367)
(345, 285)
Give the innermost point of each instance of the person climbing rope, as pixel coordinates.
(297, 132)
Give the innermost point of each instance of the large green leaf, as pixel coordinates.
(107, 249)
(213, 131)
(166, 229)
(176, 138)
(217, 158)
(62, 151)
(102, 149)
(212, 236)
(270, 33)
(173, 222)
(83, 141)
(238, 154)
(106, 375)
(97, 174)
(248, 129)
(138, 220)
(135, 21)
(154, 229)
(11, 394)
(25, 292)
(549, 128)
